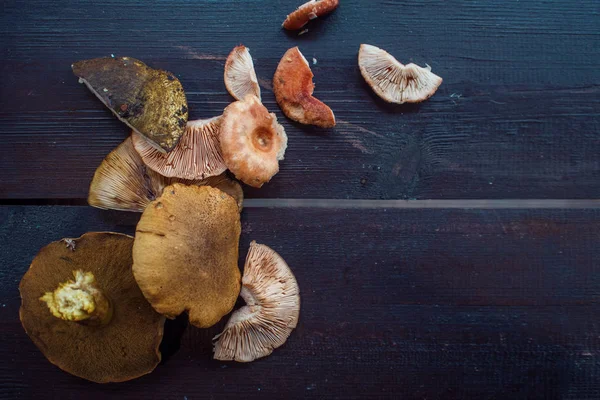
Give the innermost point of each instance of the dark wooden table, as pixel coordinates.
(444, 250)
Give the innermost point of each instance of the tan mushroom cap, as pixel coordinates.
(123, 182)
(240, 77)
(196, 156)
(309, 11)
(293, 87)
(393, 81)
(150, 101)
(125, 345)
(186, 252)
(271, 312)
(252, 141)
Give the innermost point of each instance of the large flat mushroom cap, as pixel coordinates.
(186, 253)
(128, 346)
(293, 88)
(150, 101)
(393, 81)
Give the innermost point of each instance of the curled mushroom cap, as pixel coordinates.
(393, 81)
(309, 11)
(151, 101)
(240, 77)
(123, 182)
(196, 156)
(186, 252)
(271, 312)
(293, 87)
(252, 141)
(83, 309)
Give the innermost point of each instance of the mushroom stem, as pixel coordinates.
(79, 300)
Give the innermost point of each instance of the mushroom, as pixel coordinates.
(97, 326)
(122, 182)
(393, 81)
(150, 101)
(196, 156)
(271, 312)
(185, 253)
(293, 87)
(252, 141)
(309, 11)
(240, 77)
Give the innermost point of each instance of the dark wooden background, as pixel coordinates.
(448, 302)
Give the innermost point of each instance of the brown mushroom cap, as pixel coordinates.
(240, 77)
(271, 312)
(196, 156)
(252, 141)
(123, 182)
(150, 101)
(127, 345)
(309, 11)
(393, 81)
(186, 252)
(293, 87)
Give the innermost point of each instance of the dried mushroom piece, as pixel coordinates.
(393, 81)
(252, 141)
(309, 11)
(123, 182)
(196, 156)
(83, 309)
(240, 77)
(150, 101)
(185, 253)
(271, 312)
(293, 87)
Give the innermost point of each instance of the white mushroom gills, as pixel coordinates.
(271, 312)
(393, 81)
(240, 76)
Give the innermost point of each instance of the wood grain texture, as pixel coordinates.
(516, 117)
(450, 304)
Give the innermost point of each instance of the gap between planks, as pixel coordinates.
(366, 204)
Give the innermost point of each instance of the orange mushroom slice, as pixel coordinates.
(309, 11)
(150, 101)
(82, 308)
(123, 182)
(252, 141)
(185, 255)
(293, 87)
(196, 156)
(271, 312)
(240, 77)
(395, 82)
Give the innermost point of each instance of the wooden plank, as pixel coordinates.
(395, 304)
(516, 117)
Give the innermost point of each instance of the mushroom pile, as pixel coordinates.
(96, 305)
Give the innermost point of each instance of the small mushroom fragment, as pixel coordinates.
(293, 87)
(150, 101)
(252, 141)
(240, 77)
(97, 326)
(123, 182)
(309, 11)
(271, 312)
(196, 156)
(186, 252)
(393, 81)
